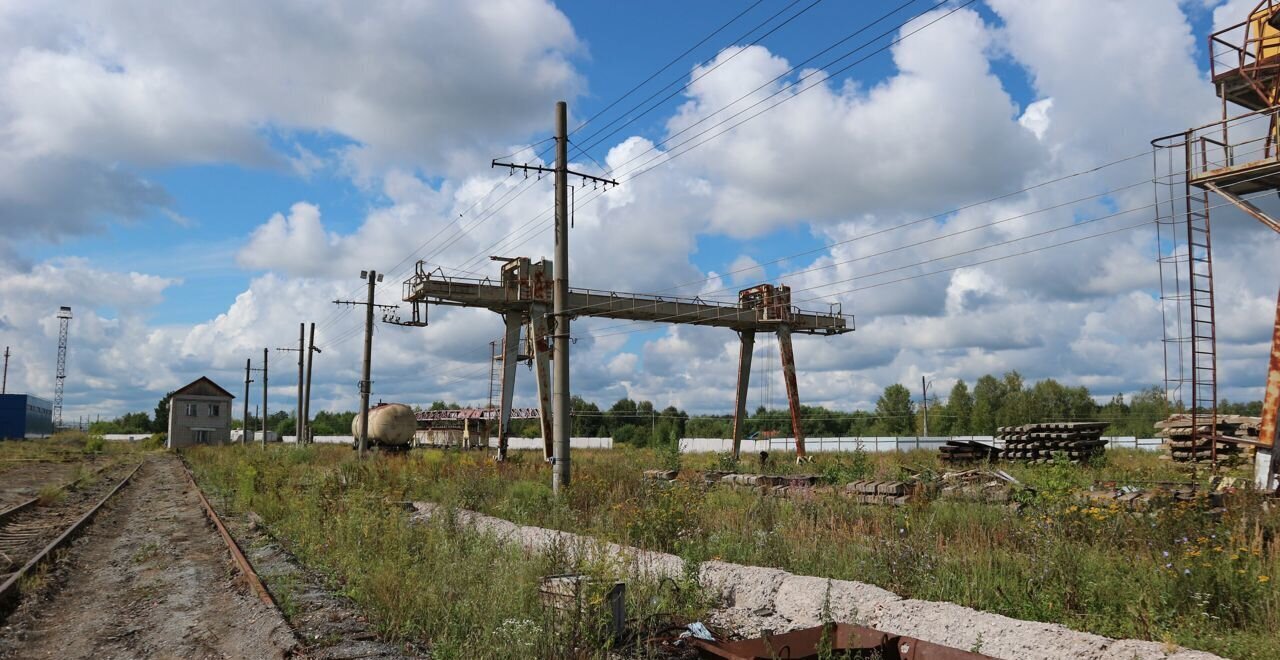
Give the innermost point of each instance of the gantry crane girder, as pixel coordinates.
(522, 295)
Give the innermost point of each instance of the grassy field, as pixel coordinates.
(442, 584)
(1182, 574)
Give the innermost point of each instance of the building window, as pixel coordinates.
(191, 410)
(202, 437)
(213, 410)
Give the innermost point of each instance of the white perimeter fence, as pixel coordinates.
(722, 445)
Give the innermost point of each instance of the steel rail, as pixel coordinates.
(17, 508)
(242, 562)
(10, 592)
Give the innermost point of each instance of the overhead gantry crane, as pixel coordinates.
(523, 297)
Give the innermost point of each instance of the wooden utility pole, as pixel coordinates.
(373, 278)
(306, 397)
(4, 385)
(924, 401)
(560, 293)
(301, 351)
(264, 398)
(365, 382)
(245, 438)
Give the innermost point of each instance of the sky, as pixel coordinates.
(196, 179)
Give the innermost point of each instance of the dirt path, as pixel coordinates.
(149, 578)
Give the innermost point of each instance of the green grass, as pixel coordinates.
(1182, 574)
(460, 591)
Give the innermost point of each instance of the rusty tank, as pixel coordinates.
(391, 426)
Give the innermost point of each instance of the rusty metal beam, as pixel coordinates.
(788, 358)
(1246, 206)
(542, 375)
(524, 283)
(1271, 399)
(747, 339)
(510, 349)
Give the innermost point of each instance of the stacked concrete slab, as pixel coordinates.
(1039, 443)
(1183, 448)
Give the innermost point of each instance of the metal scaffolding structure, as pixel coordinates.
(1233, 158)
(523, 294)
(60, 378)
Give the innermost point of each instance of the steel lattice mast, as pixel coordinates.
(64, 320)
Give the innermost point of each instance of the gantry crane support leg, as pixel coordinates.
(788, 357)
(747, 339)
(542, 374)
(1271, 403)
(510, 350)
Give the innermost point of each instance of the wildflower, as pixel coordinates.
(1165, 553)
(1264, 578)
(1186, 571)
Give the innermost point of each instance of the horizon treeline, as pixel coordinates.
(990, 403)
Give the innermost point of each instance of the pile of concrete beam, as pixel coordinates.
(893, 493)
(957, 452)
(1183, 448)
(1040, 443)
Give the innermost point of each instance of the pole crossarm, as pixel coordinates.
(525, 283)
(475, 413)
(551, 170)
(358, 302)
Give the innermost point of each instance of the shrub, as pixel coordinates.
(93, 444)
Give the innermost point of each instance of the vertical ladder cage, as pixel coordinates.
(1185, 257)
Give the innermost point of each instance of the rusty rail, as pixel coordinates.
(17, 508)
(10, 592)
(242, 562)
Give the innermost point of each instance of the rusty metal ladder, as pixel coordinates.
(1204, 336)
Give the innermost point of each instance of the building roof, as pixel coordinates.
(202, 386)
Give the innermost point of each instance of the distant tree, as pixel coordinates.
(1015, 404)
(988, 397)
(959, 409)
(160, 423)
(587, 420)
(895, 410)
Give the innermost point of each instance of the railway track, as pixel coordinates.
(29, 532)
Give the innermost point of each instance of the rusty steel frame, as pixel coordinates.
(822, 641)
(523, 295)
(1213, 164)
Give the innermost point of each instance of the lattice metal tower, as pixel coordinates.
(1237, 159)
(64, 320)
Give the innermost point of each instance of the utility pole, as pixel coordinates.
(245, 438)
(265, 352)
(924, 400)
(560, 293)
(306, 397)
(301, 351)
(373, 277)
(4, 386)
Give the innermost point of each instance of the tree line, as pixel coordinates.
(992, 402)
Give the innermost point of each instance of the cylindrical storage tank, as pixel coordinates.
(390, 425)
